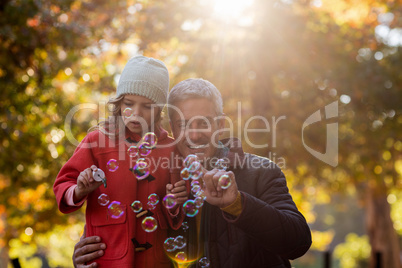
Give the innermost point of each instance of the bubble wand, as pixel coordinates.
(99, 175)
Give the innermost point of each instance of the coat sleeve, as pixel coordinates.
(270, 217)
(81, 159)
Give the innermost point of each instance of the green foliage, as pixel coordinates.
(354, 253)
(53, 248)
(395, 199)
(42, 77)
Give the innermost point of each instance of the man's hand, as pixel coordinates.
(86, 250)
(212, 187)
(179, 190)
(85, 184)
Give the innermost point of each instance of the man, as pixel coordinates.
(252, 223)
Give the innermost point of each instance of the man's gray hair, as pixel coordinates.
(195, 88)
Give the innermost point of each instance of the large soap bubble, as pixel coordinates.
(115, 210)
(149, 224)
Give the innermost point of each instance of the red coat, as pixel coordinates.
(121, 235)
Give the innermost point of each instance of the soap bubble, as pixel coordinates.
(128, 112)
(195, 189)
(150, 139)
(184, 226)
(220, 164)
(169, 201)
(201, 194)
(144, 149)
(190, 208)
(198, 201)
(103, 199)
(194, 183)
(197, 174)
(153, 199)
(180, 242)
(204, 262)
(151, 206)
(169, 244)
(181, 256)
(149, 224)
(224, 181)
(145, 160)
(132, 151)
(195, 166)
(185, 174)
(189, 159)
(112, 165)
(141, 170)
(136, 206)
(115, 210)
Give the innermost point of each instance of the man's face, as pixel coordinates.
(195, 127)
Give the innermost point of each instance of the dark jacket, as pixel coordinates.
(269, 231)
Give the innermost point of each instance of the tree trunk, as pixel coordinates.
(4, 260)
(383, 237)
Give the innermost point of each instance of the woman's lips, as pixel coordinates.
(135, 124)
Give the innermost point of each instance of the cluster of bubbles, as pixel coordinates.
(193, 170)
(141, 171)
(171, 244)
(176, 243)
(141, 150)
(149, 224)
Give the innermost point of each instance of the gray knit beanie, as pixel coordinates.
(147, 77)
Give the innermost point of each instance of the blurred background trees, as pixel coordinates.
(60, 61)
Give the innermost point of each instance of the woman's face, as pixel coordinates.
(139, 113)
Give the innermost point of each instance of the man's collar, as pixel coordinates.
(230, 150)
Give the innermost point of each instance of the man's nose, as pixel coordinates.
(193, 134)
